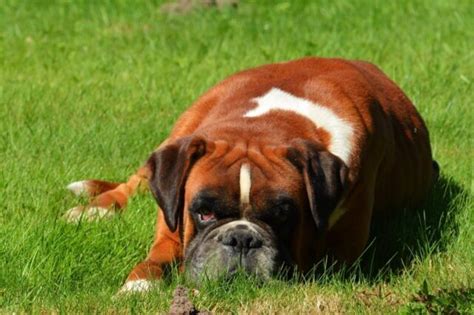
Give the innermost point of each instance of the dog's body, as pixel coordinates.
(280, 164)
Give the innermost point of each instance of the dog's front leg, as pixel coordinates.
(166, 249)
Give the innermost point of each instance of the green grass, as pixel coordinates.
(89, 88)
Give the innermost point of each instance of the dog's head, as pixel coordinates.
(246, 206)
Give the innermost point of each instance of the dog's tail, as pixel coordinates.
(91, 187)
(105, 198)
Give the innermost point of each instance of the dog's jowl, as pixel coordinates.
(280, 165)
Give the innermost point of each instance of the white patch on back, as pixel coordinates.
(245, 184)
(341, 131)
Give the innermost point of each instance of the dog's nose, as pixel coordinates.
(241, 240)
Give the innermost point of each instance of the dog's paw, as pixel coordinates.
(135, 286)
(76, 214)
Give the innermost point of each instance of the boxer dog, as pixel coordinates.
(283, 164)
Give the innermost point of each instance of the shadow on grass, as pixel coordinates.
(413, 234)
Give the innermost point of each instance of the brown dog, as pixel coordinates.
(280, 164)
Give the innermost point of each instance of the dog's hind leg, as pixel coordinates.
(106, 198)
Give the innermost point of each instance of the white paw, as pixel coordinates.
(79, 188)
(97, 213)
(76, 214)
(135, 286)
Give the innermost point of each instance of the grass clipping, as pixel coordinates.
(181, 303)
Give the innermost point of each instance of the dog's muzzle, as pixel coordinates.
(225, 249)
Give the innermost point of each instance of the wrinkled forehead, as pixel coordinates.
(245, 182)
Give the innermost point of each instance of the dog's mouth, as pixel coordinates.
(231, 248)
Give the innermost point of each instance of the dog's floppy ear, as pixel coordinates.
(170, 167)
(325, 178)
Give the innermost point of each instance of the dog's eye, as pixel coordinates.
(206, 216)
(282, 211)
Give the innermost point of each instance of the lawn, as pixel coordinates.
(89, 88)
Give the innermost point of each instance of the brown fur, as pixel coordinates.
(390, 164)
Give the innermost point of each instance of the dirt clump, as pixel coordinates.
(182, 305)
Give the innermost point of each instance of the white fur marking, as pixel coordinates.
(98, 213)
(74, 215)
(341, 131)
(135, 286)
(245, 184)
(79, 188)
